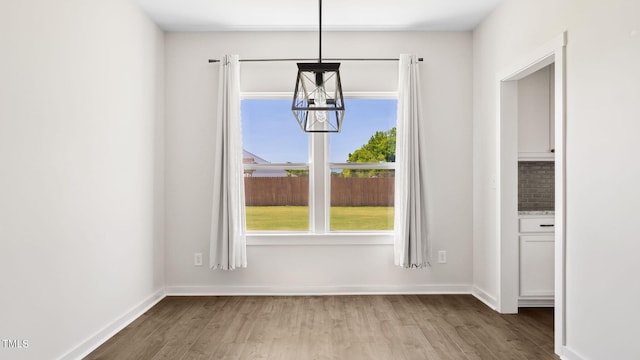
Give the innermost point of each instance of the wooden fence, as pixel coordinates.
(294, 191)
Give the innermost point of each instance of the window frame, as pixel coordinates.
(319, 168)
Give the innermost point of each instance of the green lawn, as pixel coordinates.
(297, 218)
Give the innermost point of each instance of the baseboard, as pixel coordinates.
(483, 296)
(97, 339)
(539, 302)
(315, 290)
(568, 354)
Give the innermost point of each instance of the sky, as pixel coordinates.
(270, 131)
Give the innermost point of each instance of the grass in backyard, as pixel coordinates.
(278, 218)
(361, 218)
(296, 218)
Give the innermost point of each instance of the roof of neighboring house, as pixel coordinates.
(251, 158)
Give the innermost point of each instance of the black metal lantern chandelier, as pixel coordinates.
(318, 103)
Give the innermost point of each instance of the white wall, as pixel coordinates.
(81, 174)
(603, 54)
(191, 85)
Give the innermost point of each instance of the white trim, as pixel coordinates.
(213, 290)
(308, 238)
(551, 52)
(543, 56)
(99, 338)
(568, 354)
(536, 302)
(483, 296)
(560, 197)
(319, 182)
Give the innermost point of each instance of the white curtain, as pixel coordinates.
(228, 249)
(410, 223)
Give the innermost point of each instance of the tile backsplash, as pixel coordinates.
(536, 189)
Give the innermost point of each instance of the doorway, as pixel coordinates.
(552, 53)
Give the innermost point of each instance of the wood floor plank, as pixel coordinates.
(209, 339)
(188, 329)
(436, 327)
(157, 339)
(139, 331)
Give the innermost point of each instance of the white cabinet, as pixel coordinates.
(536, 265)
(536, 116)
(537, 249)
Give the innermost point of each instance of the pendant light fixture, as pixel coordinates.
(318, 103)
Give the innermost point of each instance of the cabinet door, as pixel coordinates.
(535, 112)
(536, 265)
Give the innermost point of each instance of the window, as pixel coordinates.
(319, 183)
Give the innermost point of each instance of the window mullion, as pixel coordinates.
(318, 185)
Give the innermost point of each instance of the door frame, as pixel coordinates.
(554, 52)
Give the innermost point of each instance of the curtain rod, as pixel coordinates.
(310, 59)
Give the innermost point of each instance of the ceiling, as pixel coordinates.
(302, 15)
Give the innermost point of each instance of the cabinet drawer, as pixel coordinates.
(537, 225)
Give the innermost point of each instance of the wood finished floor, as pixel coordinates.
(332, 327)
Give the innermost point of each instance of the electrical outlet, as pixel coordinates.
(442, 257)
(197, 259)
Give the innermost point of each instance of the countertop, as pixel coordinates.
(537, 212)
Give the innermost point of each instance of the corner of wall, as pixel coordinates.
(483, 296)
(100, 337)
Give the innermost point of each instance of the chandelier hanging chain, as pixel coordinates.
(320, 31)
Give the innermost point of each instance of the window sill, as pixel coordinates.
(306, 239)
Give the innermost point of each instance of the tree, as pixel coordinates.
(381, 147)
(297, 173)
